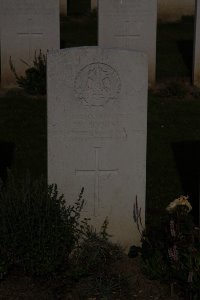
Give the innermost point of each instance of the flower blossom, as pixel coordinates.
(173, 253)
(181, 201)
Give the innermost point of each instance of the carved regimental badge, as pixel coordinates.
(96, 84)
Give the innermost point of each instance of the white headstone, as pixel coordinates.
(196, 71)
(63, 7)
(97, 127)
(27, 26)
(130, 24)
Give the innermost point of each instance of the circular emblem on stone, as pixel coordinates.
(96, 84)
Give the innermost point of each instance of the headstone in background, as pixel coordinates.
(27, 26)
(196, 67)
(97, 129)
(79, 7)
(130, 24)
(63, 7)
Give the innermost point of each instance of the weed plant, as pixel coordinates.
(34, 80)
(93, 262)
(172, 253)
(96, 252)
(196, 92)
(38, 230)
(107, 286)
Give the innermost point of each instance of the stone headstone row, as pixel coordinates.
(132, 25)
(28, 25)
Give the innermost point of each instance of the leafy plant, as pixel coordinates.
(34, 80)
(184, 247)
(93, 262)
(154, 247)
(137, 217)
(172, 252)
(106, 286)
(196, 92)
(95, 253)
(154, 266)
(38, 230)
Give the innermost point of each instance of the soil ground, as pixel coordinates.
(133, 286)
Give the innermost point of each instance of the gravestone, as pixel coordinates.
(196, 67)
(27, 26)
(97, 126)
(130, 24)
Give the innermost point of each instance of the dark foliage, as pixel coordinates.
(34, 80)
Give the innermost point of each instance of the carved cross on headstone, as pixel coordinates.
(126, 32)
(97, 172)
(30, 34)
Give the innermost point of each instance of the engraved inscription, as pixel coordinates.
(97, 84)
(135, 6)
(25, 7)
(97, 172)
(30, 34)
(92, 127)
(127, 32)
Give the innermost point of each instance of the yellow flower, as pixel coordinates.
(182, 200)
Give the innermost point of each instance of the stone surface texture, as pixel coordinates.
(129, 24)
(97, 127)
(196, 66)
(27, 26)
